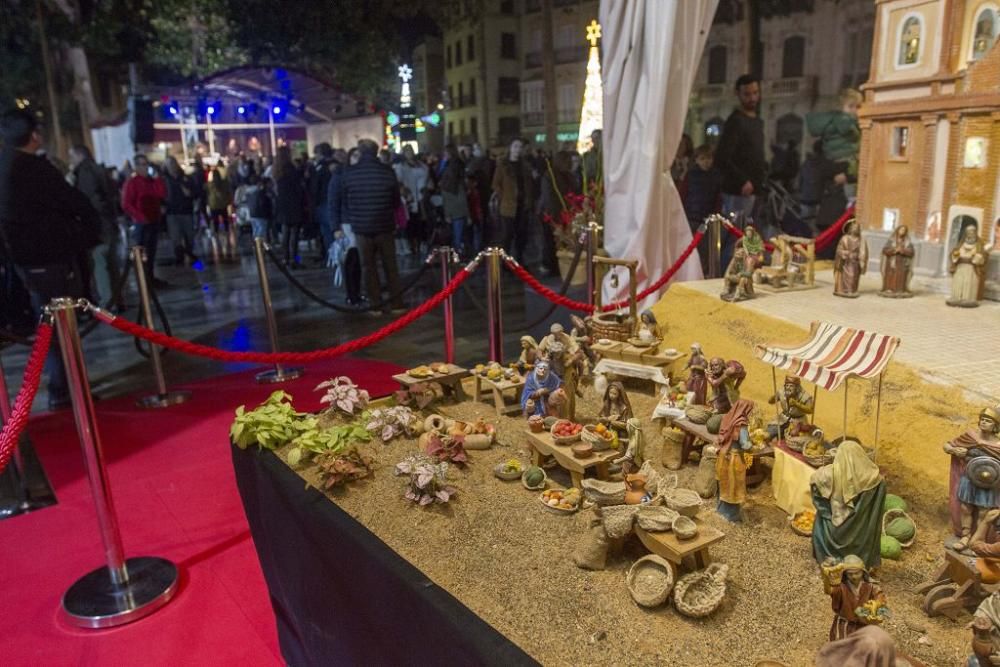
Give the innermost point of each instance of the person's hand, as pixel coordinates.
(840, 179)
(747, 189)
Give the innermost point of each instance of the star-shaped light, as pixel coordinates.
(593, 32)
(405, 73)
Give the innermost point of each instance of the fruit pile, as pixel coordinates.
(563, 500)
(604, 432)
(566, 429)
(873, 612)
(676, 397)
(511, 466)
(804, 520)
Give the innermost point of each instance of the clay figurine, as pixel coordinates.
(733, 460)
(616, 410)
(567, 360)
(696, 382)
(634, 455)
(985, 545)
(541, 389)
(848, 496)
(794, 407)
(986, 631)
(583, 337)
(897, 264)
(725, 380)
(850, 262)
(968, 270)
(529, 353)
(857, 601)
(967, 496)
(649, 330)
(748, 256)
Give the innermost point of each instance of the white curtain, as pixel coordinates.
(651, 50)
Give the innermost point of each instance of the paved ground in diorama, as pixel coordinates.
(953, 346)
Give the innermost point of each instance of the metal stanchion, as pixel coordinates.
(124, 590)
(162, 398)
(494, 311)
(22, 503)
(446, 256)
(592, 237)
(714, 246)
(279, 373)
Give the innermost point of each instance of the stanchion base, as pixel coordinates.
(94, 602)
(13, 507)
(164, 400)
(273, 376)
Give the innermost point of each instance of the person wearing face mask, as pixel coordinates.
(513, 187)
(47, 227)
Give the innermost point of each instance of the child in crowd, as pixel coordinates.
(701, 195)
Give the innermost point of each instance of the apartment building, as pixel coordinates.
(427, 90)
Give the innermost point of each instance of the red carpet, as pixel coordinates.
(173, 487)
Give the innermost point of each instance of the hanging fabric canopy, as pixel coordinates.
(832, 354)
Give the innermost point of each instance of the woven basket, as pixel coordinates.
(797, 442)
(598, 442)
(618, 520)
(655, 519)
(700, 593)
(897, 514)
(559, 440)
(682, 501)
(507, 476)
(604, 493)
(818, 461)
(545, 479)
(684, 528)
(697, 414)
(649, 581)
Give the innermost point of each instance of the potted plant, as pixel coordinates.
(339, 468)
(447, 448)
(343, 395)
(428, 480)
(318, 440)
(270, 425)
(389, 423)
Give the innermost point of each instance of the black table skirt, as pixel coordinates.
(340, 594)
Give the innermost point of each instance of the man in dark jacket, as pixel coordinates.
(91, 179)
(319, 185)
(365, 197)
(46, 225)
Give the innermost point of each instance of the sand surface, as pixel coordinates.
(509, 560)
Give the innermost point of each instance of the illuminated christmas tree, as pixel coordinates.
(592, 114)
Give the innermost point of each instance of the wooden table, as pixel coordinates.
(667, 545)
(542, 445)
(646, 363)
(499, 387)
(450, 381)
(695, 433)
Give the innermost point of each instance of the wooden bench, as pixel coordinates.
(675, 550)
(542, 445)
(698, 433)
(450, 381)
(498, 388)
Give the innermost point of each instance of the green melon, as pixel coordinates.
(713, 424)
(893, 502)
(901, 528)
(534, 476)
(891, 548)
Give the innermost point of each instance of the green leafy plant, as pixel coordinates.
(325, 441)
(428, 479)
(271, 424)
(337, 469)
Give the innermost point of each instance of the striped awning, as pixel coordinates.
(832, 354)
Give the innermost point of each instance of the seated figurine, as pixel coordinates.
(617, 409)
(985, 545)
(635, 452)
(794, 407)
(747, 257)
(529, 353)
(649, 329)
(542, 392)
(855, 599)
(986, 633)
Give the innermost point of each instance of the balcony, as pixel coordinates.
(712, 91)
(800, 86)
(571, 54)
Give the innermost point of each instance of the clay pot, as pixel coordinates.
(582, 450)
(536, 425)
(635, 489)
(434, 423)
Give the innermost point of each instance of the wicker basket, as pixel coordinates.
(684, 528)
(649, 581)
(560, 440)
(596, 440)
(797, 442)
(611, 326)
(899, 514)
(558, 510)
(796, 529)
(700, 593)
(604, 493)
(698, 414)
(682, 501)
(818, 461)
(656, 519)
(507, 476)
(545, 479)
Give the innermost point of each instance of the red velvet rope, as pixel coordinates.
(11, 434)
(823, 239)
(561, 300)
(163, 340)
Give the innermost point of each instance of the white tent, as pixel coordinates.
(651, 51)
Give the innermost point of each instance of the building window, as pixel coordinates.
(509, 127)
(717, 64)
(472, 91)
(985, 32)
(793, 54)
(458, 53)
(506, 6)
(890, 219)
(461, 95)
(566, 36)
(975, 153)
(857, 57)
(910, 37)
(474, 128)
(451, 97)
(535, 40)
(470, 48)
(447, 56)
(569, 103)
(900, 142)
(508, 47)
(461, 127)
(451, 129)
(508, 90)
